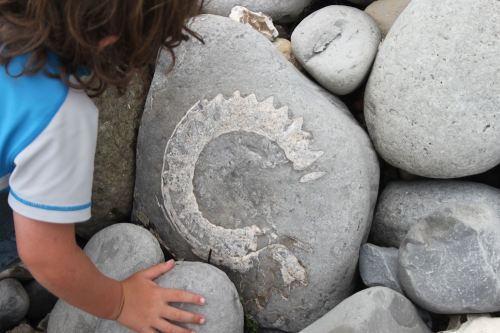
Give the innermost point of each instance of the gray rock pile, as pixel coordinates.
(14, 303)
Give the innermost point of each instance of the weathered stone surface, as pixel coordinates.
(222, 310)
(378, 266)
(385, 12)
(403, 204)
(14, 303)
(114, 165)
(337, 45)
(280, 11)
(449, 262)
(278, 191)
(432, 99)
(374, 310)
(480, 324)
(118, 251)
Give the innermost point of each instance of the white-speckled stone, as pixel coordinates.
(222, 310)
(337, 45)
(433, 97)
(118, 251)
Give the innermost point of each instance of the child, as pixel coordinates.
(48, 129)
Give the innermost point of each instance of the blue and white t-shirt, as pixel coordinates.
(47, 143)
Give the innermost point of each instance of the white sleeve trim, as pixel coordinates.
(52, 177)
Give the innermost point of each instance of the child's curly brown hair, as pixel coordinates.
(73, 29)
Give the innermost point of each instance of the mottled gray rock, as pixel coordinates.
(374, 310)
(432, 99)
(449, 262)
(280, 11)
(378, 266)
(14, 303)
(41, 301)
(222, 310)
(114, 164)
(337, 45)
(118, 251)
(275, 183)
(403, 204)
(385, 12)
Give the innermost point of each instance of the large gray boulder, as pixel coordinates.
(432, 99)
(118, 251)
(244, 162)
(378, 266)
(222, 310)
(14, 303)
(449, 262)
(403, 204)
(374, 310)
(337, 45)
(280, 11)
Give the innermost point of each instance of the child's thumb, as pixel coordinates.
(155, 271)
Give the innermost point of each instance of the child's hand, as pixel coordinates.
(146, 307)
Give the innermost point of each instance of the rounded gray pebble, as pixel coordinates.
(14, 303)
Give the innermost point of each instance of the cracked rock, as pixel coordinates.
(266, 176)
(449, 262)
(337, 45)
(374, 310)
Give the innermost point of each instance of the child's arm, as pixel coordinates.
(51, 254)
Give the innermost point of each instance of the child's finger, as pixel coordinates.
(181, 296)
(155, 271)
(181, 316)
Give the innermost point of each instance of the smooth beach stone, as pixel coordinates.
(480, 324)
(222, 310)
(432, 99)
(449, 262)
(378, 266)
(247, 164)
(14, 303)
(385, 12)
(337, 45)
(374, 310)
(280, 11)
(118, 251)
(403, 204)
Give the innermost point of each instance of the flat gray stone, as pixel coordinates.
(222, 310)
(378, 266)
(14, 303)
(432, 99)
(337, 45)
(280, 11)
(449, 262)
(261, 171)
(118, 251)
(374, 310)
(403, 204)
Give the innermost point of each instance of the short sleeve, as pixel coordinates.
(52, 177)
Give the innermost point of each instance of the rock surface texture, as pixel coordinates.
(449, 262)
(118, 251)
(337, 45)
(378, 266)
(114, 165)
(385, 12)
(258, 171)
(432, 99)
(478, 325)
(14, 303)
(280, 11)
(374, 310)
(403, 204)
(223, 310)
